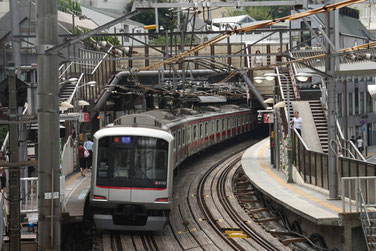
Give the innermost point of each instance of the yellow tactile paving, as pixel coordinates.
(283, 183)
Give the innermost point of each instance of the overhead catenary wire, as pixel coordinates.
(220, 37)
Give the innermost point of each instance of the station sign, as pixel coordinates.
(84, 117)
(268, 118)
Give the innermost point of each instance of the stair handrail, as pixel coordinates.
(69, 100)
(340, 138)
(293, 83)
(103, 58)
(364, 217)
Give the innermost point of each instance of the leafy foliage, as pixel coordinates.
(65, 5)
(161, 40)
(261, 12)
(148, 17)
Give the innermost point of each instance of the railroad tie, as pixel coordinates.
(258, 210)
(268, 219)
(293, 240)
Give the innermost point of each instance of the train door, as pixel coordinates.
(223, 130)
(194, 138)
(217, 131)
(183, 145)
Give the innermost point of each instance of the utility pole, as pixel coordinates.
(14, 172)
(15, 31)
(49, 222)
(330, 68)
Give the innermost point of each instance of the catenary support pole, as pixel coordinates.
(49, 217)
(14, 173)
(330, 66)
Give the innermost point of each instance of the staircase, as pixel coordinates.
(368, 221)
(320, 122)
(66, 91)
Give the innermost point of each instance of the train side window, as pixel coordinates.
(217, 126)
(194, 132)
(183, 140)
(179, 139)
(174, 134)
(206, 129)
(228, 123)
(223, 124)
(200, 130)
(211, 127)
(238, 120)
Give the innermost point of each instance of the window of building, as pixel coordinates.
(351, 105)
(361, 102)
(369, 103)
(356, 100)
(339, 105)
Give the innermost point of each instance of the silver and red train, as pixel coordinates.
(134, 160)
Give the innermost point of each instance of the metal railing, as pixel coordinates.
(348, 148)
(357, 193)
(313, 166)
(29, 203)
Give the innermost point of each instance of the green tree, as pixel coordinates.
(165, 17)
(261, 12)
(69, 5)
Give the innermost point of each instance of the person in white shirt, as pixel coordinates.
(297, 123)
(359, 144)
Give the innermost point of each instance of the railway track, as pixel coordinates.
(203, 212)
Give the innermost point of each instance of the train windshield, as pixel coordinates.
(132, 161)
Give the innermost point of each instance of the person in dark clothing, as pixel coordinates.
(81, 155)
(353, 139)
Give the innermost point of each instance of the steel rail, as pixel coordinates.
(231, 212)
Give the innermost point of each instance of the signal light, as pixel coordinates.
(116, 140)
(98, 117)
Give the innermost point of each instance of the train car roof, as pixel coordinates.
(133, 131)
(165, 120)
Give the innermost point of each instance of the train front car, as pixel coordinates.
(131, 179)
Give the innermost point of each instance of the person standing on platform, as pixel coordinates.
(89, 146)
(81, 156)
(360, 144)
(297, 123)
(258, 59)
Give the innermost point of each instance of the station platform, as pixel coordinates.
(307, 203)
(76, 189)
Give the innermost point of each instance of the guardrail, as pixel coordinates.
(313, 166)
(29, 203)
(352, 188)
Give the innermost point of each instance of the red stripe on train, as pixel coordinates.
(132, 188)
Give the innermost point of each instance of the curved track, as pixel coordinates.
(202, 211)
